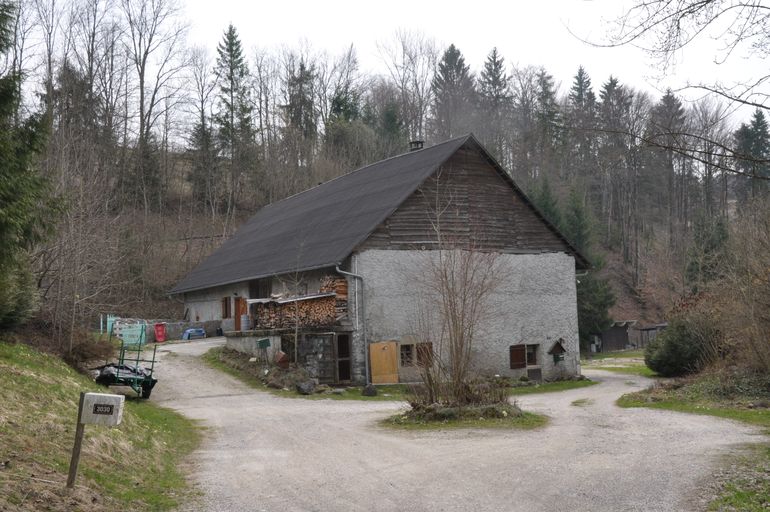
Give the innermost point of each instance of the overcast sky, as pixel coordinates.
(534, 32)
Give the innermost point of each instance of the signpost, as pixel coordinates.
(95, 409)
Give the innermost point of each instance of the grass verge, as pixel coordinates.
(524, 421)
(238, 367)
(759, 417)
(552, 387)
(135, 466)
(746, 485)
(628, 369)
(749, 491)
(624, 354)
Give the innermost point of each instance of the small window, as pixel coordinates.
(407, 355)
(518, 356)
(424, 355)
(226, 308)
(531, 355)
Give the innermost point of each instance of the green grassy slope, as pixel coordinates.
(135, 466)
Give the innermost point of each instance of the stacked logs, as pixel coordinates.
(316, 312)
(338, 285)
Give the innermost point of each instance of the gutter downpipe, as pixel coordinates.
(363, 317)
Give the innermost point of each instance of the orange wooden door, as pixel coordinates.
(384, 360)
(240, 309)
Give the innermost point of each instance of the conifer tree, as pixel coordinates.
(235, 133)
(548, 122)
(667, 122)
(547, 203)
(23, 195)
(752, 143)
(301, 129)
(454, 95)
(495, 102)
(581, 120)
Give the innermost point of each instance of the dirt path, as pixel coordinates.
(266, 453)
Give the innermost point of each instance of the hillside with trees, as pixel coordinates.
(137, 155)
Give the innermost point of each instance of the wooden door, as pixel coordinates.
(384, 360)
(343, 358)
(240, 309)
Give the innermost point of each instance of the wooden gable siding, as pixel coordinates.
(477, 206)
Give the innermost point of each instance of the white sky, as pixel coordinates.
(533, 32)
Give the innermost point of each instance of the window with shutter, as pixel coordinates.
(518, 356)
(226, 307)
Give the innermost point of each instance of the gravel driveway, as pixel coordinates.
(276, 454)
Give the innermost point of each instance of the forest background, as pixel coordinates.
(142, 154)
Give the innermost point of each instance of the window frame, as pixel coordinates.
(406, 355)
(533, 352)
(519, 356)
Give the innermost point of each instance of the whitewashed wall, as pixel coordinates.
(535, 302)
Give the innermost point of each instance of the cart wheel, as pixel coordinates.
(146, 391)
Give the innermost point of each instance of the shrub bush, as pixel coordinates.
(676, 351)
(476, 392)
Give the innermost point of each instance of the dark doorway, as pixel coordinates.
(343, 358)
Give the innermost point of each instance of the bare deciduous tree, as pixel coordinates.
(455, 286)
(411, 61)
(155, 49)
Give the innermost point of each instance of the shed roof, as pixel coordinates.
(320, 227)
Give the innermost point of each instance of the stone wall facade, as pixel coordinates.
(534, 303)
(206, 305)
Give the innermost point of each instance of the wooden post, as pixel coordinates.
(76, 448)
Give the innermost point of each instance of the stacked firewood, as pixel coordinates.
(318, 312)
(338, 285)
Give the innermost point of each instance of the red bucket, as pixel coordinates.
(160, 333)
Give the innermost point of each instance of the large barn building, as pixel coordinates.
(337, 264)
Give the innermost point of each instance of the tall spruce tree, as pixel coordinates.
(204, 175)
(454, 95)
(548, 122)
(23, 193)
(752, 143)
(301, 130)
(235, 132)
(665, 128)
(495, 102)
(581, 122)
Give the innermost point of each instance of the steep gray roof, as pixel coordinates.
(320, 226)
